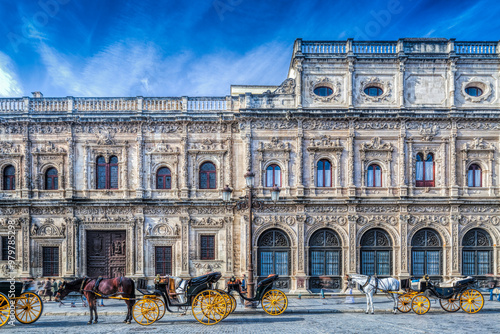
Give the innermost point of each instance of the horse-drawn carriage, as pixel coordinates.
(208, 304)
(273, 301)
(28, 306)
(453, 295)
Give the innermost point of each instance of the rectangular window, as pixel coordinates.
(163, 259)
(383, 263)
(50, 261)
(332, 263)
(483, 262)
(5, 248)
(368, 260)
(418, 263)
(378, 177)
(433, 263)
(266, 264)
(419, 172)
(113, 183)
(328, 178)
(468, 262)
(207, 247)
(281, 263)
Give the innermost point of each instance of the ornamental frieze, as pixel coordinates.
(207, 210)
(89, 210)
(158, 127)
(274, 220)
(378, 208)
(377, 220)
(158, 211)
(12, 129)
(276, 208)
(101, 127)
(48, 129)
(207, 127)
(326, 208)
(478, 125)
(377, 125)
(315, 124)
(8, 211)
(50, 211)
(428, 208)
(49, 148)
(326, 220)
(437, 125)
(479, 208)
(209, 222)
(9, 148)
(281, 124)
(429, 220)
(479, 220)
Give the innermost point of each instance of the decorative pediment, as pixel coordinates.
(207, 145)
(163, 229)
(49, 148)
(326, 143)
(9, 148)
(375, 144)
(105, 138)
(163, 148)
(48, 229)
(478, 144)
(275, 145)
(428, 133)
(208, 222)
(287, 87)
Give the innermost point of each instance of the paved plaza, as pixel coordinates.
(307, 315)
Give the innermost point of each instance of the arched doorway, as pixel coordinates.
(274, 257)
(325, 260)
(376, 253)
(426, 254)
(477, 253)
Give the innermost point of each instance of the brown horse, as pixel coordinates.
(120, 286)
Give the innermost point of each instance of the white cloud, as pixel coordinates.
(136, 68)
(9, 82)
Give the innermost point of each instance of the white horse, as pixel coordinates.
(370, 284)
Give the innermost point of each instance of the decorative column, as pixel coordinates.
(27, 177)
(401, 84)
(403, 229)
(410, 167)
(300, 159)
(455, 249)
(185, 247)
(452, 69)
(352, 219)
(298, 86)
(403, 182)
(71, 163)
(301, 254)
(140, 245)
(25, 234)
(86, 170)
(125, 170)
(453, 160)
(350, 147)
(184, 169)
(140, 167)
(229, 222)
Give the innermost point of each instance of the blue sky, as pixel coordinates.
(200, 48)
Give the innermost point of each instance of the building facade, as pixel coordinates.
(386, 154)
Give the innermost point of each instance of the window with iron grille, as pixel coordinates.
(426, 253)
(207, 243)
(477, 253)
(163, 258)
(376, 253)
(50, 261)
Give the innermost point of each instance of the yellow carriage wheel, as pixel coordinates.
(161, 306)
(28, 308)
(450, 305)
(471, 301)
(146, 311)
(404, 303)
(209, 307)
(228, 300)
(233, 303)
(4, 309)
(420, 304)
(274, 302)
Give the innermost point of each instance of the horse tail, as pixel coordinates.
(133, 289)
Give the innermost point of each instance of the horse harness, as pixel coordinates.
(95, 289)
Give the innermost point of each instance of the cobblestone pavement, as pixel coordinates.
(432, 322)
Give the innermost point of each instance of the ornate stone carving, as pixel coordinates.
(209, 222)
(286, 87)
(49, 148)
(385, 85)
(428, 133)
(274, 220)
(334, 85)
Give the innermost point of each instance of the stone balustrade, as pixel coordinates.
(476, 47)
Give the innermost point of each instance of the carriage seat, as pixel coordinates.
(270, 279)
(208, 278)
(465, 281)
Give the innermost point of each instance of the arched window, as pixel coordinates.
(474, 177)
(325, 254)
(376, 253)
(374, 176)
(424, 173)
(51, 179)
(324, 173)
(273, 176)
(208, 176)
(9, 178)
(426, 253)
(107, 173)
(477, 253)
(274, 255)
(163, 178)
